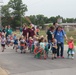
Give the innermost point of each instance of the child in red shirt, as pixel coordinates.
(70, 51)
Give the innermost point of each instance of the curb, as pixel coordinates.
(3, 71)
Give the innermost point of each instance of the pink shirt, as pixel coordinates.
(71, 45)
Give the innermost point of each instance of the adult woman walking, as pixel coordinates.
(25, 31)
(59, 35)
(31, 32)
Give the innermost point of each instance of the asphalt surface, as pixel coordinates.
(25, 64)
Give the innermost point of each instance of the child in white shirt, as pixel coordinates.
(3, 42)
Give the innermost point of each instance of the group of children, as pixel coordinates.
(36, 45)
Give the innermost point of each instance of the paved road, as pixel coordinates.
(26, 64)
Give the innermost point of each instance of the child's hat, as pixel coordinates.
(41, 36)
(71, 38)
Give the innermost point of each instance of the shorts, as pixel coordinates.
(12, 41)
(22, 47)
(46, 48)
(54, 50)
(15, 43)
(70, 51)
(8, 42)
(3, 45)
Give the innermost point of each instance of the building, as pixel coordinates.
(59, 20)
(66, 26)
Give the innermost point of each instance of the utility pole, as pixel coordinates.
(1, 2)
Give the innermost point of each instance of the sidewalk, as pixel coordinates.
(3, 72)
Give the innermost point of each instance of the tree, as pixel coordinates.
(40, 20)
(6, 19)
(64, 20)
(18, 11)
(52, 20)
(70, 20)
(33, 19)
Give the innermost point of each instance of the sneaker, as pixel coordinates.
(68, 57)
(44, 58)
(52, 58)
(55, 57)
(24, 52)
(2, 50)
(62, 56)
(13, 47)
(72, 57)
(16, 50)
(58, 56)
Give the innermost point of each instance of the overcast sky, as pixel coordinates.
(64, 8)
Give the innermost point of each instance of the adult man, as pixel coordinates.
(55, 25)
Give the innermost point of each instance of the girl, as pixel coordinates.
(37, 31)
(22, 44)
(30, 43)
(8, 40)
(37, 49)
(46, 47)
(12, 40)
(70, 51)
(3, 42)
(42, 46)
(35, 41)
(54, 48)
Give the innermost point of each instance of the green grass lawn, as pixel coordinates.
(42, 32)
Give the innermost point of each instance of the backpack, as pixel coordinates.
(56, 32)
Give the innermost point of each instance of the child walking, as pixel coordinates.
(70, 51)
(31, 42)
(42, 46)
(15, 44)
(54, 48)
(15, 38)
(3, 42)
(8, 40)
(22, 44)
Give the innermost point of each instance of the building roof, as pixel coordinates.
(63, 24)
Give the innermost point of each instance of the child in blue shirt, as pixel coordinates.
(15, 42)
